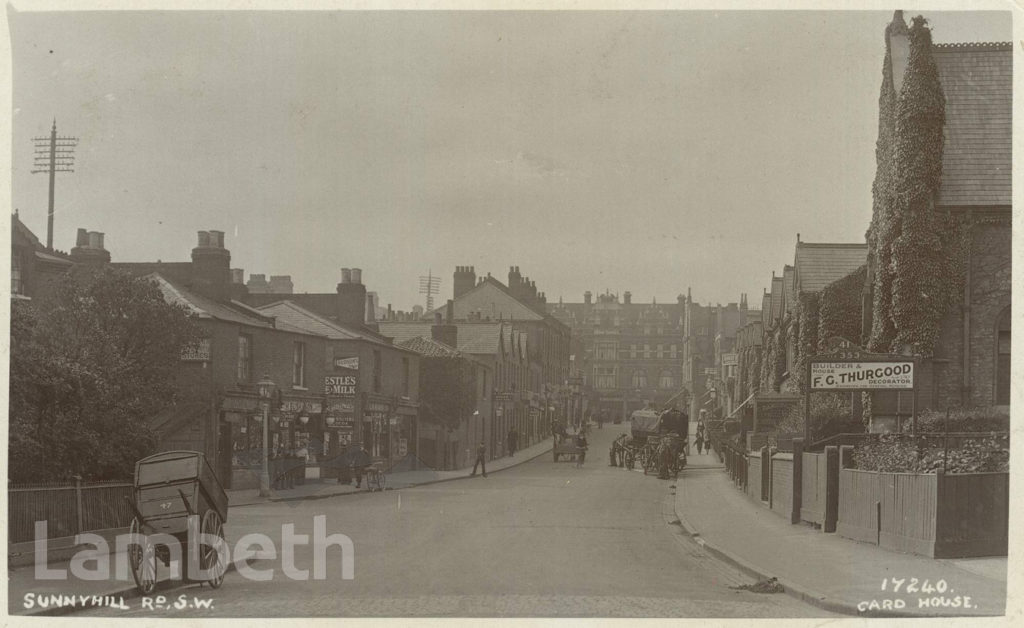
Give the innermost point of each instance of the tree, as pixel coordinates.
(90, 364)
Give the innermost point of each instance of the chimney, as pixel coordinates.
(281, 284)
(237, 275)
(445, 331)
(211, 266)
(351, 297)
(465, 279)
(89, 248)
(899, 49)
(371, 312)
(587, 296)
(627, 297)
(391, 314)
(257, 284)
(680, 299)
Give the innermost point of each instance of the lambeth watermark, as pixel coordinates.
(205, 557)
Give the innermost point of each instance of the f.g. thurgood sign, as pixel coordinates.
(862, 375)
(340, 385)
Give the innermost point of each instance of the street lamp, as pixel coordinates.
(266, 390)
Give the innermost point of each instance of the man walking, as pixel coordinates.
(581, 446)
(481, 459)
(513, 441)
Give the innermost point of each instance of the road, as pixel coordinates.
(540, 539)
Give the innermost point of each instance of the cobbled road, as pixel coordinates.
(543, 539)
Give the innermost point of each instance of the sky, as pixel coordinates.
(652, 152)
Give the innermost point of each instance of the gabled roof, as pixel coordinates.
(430, 348)
(788, 288)
(204, 307)
(294, 315)
(819, 264)
(977, 80)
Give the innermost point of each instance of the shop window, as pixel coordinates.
(244, 358)
(299, 365)
(1003, 359)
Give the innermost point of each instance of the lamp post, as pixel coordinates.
(266, 390)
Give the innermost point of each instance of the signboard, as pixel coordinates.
(711, 371)
(730, 359)
(293, 406)
(503, 396)
(403, 447)
(497, 411)
(341, 407)
(197, 352)
(340, 385)
(862, 375)
(346, 363)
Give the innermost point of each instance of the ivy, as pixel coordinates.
(807, 336)
(840, 307)
(917, 253)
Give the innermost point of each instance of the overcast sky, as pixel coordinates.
(640, 151)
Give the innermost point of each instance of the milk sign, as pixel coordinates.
(340, 385)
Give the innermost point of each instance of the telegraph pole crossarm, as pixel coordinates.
(53, 154)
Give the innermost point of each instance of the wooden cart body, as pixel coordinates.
(171, 485)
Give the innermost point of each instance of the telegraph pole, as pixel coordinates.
(52, 155)
(430, 285)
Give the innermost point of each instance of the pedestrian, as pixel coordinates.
(481, 459)
(513, 441)
(581, 446)
(700, 440)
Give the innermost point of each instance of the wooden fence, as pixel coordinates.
(67, 508)
(932, 514)
(780, 493)
(812, 506)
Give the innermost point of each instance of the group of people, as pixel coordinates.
(702, 439)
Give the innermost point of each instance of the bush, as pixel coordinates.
(831, 414)
(900, 453)
(964, 420)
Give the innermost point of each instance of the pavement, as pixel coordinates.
(827, 570)
(320, 489)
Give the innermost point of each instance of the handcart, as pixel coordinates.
(171, 487)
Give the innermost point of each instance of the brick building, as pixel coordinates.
(629, 354)
(971, 361)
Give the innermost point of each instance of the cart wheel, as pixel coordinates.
(142, 559)
(210, 556)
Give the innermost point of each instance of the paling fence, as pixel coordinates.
(938, 514)
(69, 508)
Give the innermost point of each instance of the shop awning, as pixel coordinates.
(172, 418)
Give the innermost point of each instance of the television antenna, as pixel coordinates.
(430, 285)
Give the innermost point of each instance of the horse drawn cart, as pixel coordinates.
(178, 501)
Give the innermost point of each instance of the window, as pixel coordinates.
(632, 351)
(244, 358)
(604, 377)
(299, 365)
(1003, 359)
(660, 353)
(639, 378)
(16, 284)
(405, 376)
(673, 350)
(376, 370)
(605, 351)
(667, 380)
(647, 351)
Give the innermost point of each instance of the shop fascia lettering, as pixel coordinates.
(340, 385)
(862, 376)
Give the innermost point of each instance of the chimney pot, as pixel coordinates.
(94, 240)
(346, 275)
(82, 239)
(357, 275)
(217, 239)
(237, 275)
(204, 238)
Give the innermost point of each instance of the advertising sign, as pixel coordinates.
(197, 352)
(340, 385)
(346, 363)
(730, 359)
(862, 375)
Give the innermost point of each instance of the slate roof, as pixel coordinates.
(789, 288)
(204, 307)
(819, 264)
(977, 81)
(430, 348)
(290, 314)
(475, 338)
